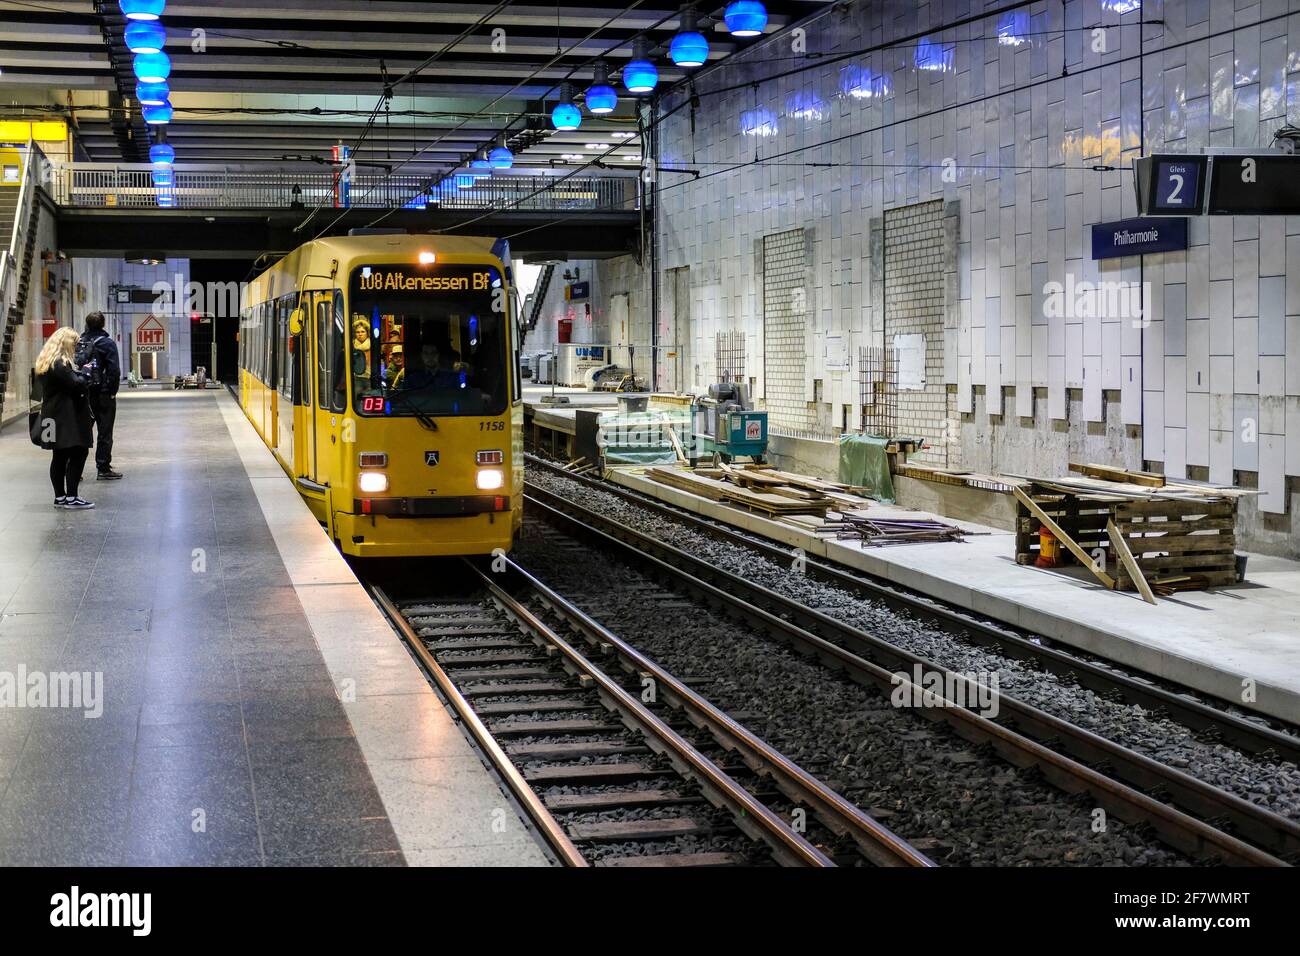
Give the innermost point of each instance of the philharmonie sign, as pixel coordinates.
(1136, 237)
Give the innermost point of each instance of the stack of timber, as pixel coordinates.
(1133, 530)
(761, 489)
(955, 476)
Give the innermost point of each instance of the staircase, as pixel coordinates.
(19, 207)
(533, 305)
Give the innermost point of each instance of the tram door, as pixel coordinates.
(307, 376)
(321, 317)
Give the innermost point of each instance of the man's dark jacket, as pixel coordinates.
(99, 345)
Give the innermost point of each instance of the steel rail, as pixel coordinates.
(1244, 734)
(749, 601)
(546, 824)
(751, 815)
(880, 845)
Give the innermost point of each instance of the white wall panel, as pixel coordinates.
(1272, 477)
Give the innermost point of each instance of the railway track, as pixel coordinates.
(1189, 814)
(1251, 735)
(605, 778)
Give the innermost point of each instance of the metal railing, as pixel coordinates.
(35, 172)
(131, 185)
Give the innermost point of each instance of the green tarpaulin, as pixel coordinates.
(864, 464)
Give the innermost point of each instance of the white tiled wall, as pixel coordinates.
(1206, 384)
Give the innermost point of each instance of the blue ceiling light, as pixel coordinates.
(640, 75)
(162, 154)
(566, 116)
(152, 67)
(157, 115)
(142, 9)
(745, 18)
(152, 94)
(601, 97)
(689, 47)
(501, 157)
(145, 36)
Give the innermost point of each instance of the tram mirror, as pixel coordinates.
(296, 319)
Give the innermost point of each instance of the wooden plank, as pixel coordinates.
(1082, 556)
(1177, 527)
(1176, 509)
(672, 437)
(1117, 540)
(1186, 562)
(1147, 479)
(1181, 544)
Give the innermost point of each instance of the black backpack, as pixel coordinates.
(85, 355)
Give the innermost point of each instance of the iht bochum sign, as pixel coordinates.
(1138, 237)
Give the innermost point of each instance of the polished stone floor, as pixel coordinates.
(221, 738)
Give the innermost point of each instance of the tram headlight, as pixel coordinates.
(373, 482)
(490, 479)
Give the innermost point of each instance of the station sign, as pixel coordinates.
(1138, 237)
(577, 290)
(1263, 184)
(1171, 185)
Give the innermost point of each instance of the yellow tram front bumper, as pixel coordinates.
(381, 536)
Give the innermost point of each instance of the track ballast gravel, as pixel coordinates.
(1268, 783)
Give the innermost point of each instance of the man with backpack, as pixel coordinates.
(97, 357)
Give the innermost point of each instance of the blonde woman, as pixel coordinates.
(65, 417)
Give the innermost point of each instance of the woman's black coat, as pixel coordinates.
(65, 403)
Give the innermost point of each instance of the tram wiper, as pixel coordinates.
(420, 416)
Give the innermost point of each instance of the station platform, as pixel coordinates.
(1214, 641)
(242, 701)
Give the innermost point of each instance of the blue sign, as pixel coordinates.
(1138, 237)
(579, 290)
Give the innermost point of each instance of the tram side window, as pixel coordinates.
(322, 353)
(338, 339)
(281, 348)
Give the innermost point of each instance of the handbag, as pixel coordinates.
(35, 425)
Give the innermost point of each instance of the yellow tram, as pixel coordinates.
(383, 373)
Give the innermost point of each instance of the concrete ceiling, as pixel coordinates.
(287, 80)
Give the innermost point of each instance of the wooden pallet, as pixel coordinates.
(1194, 541)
